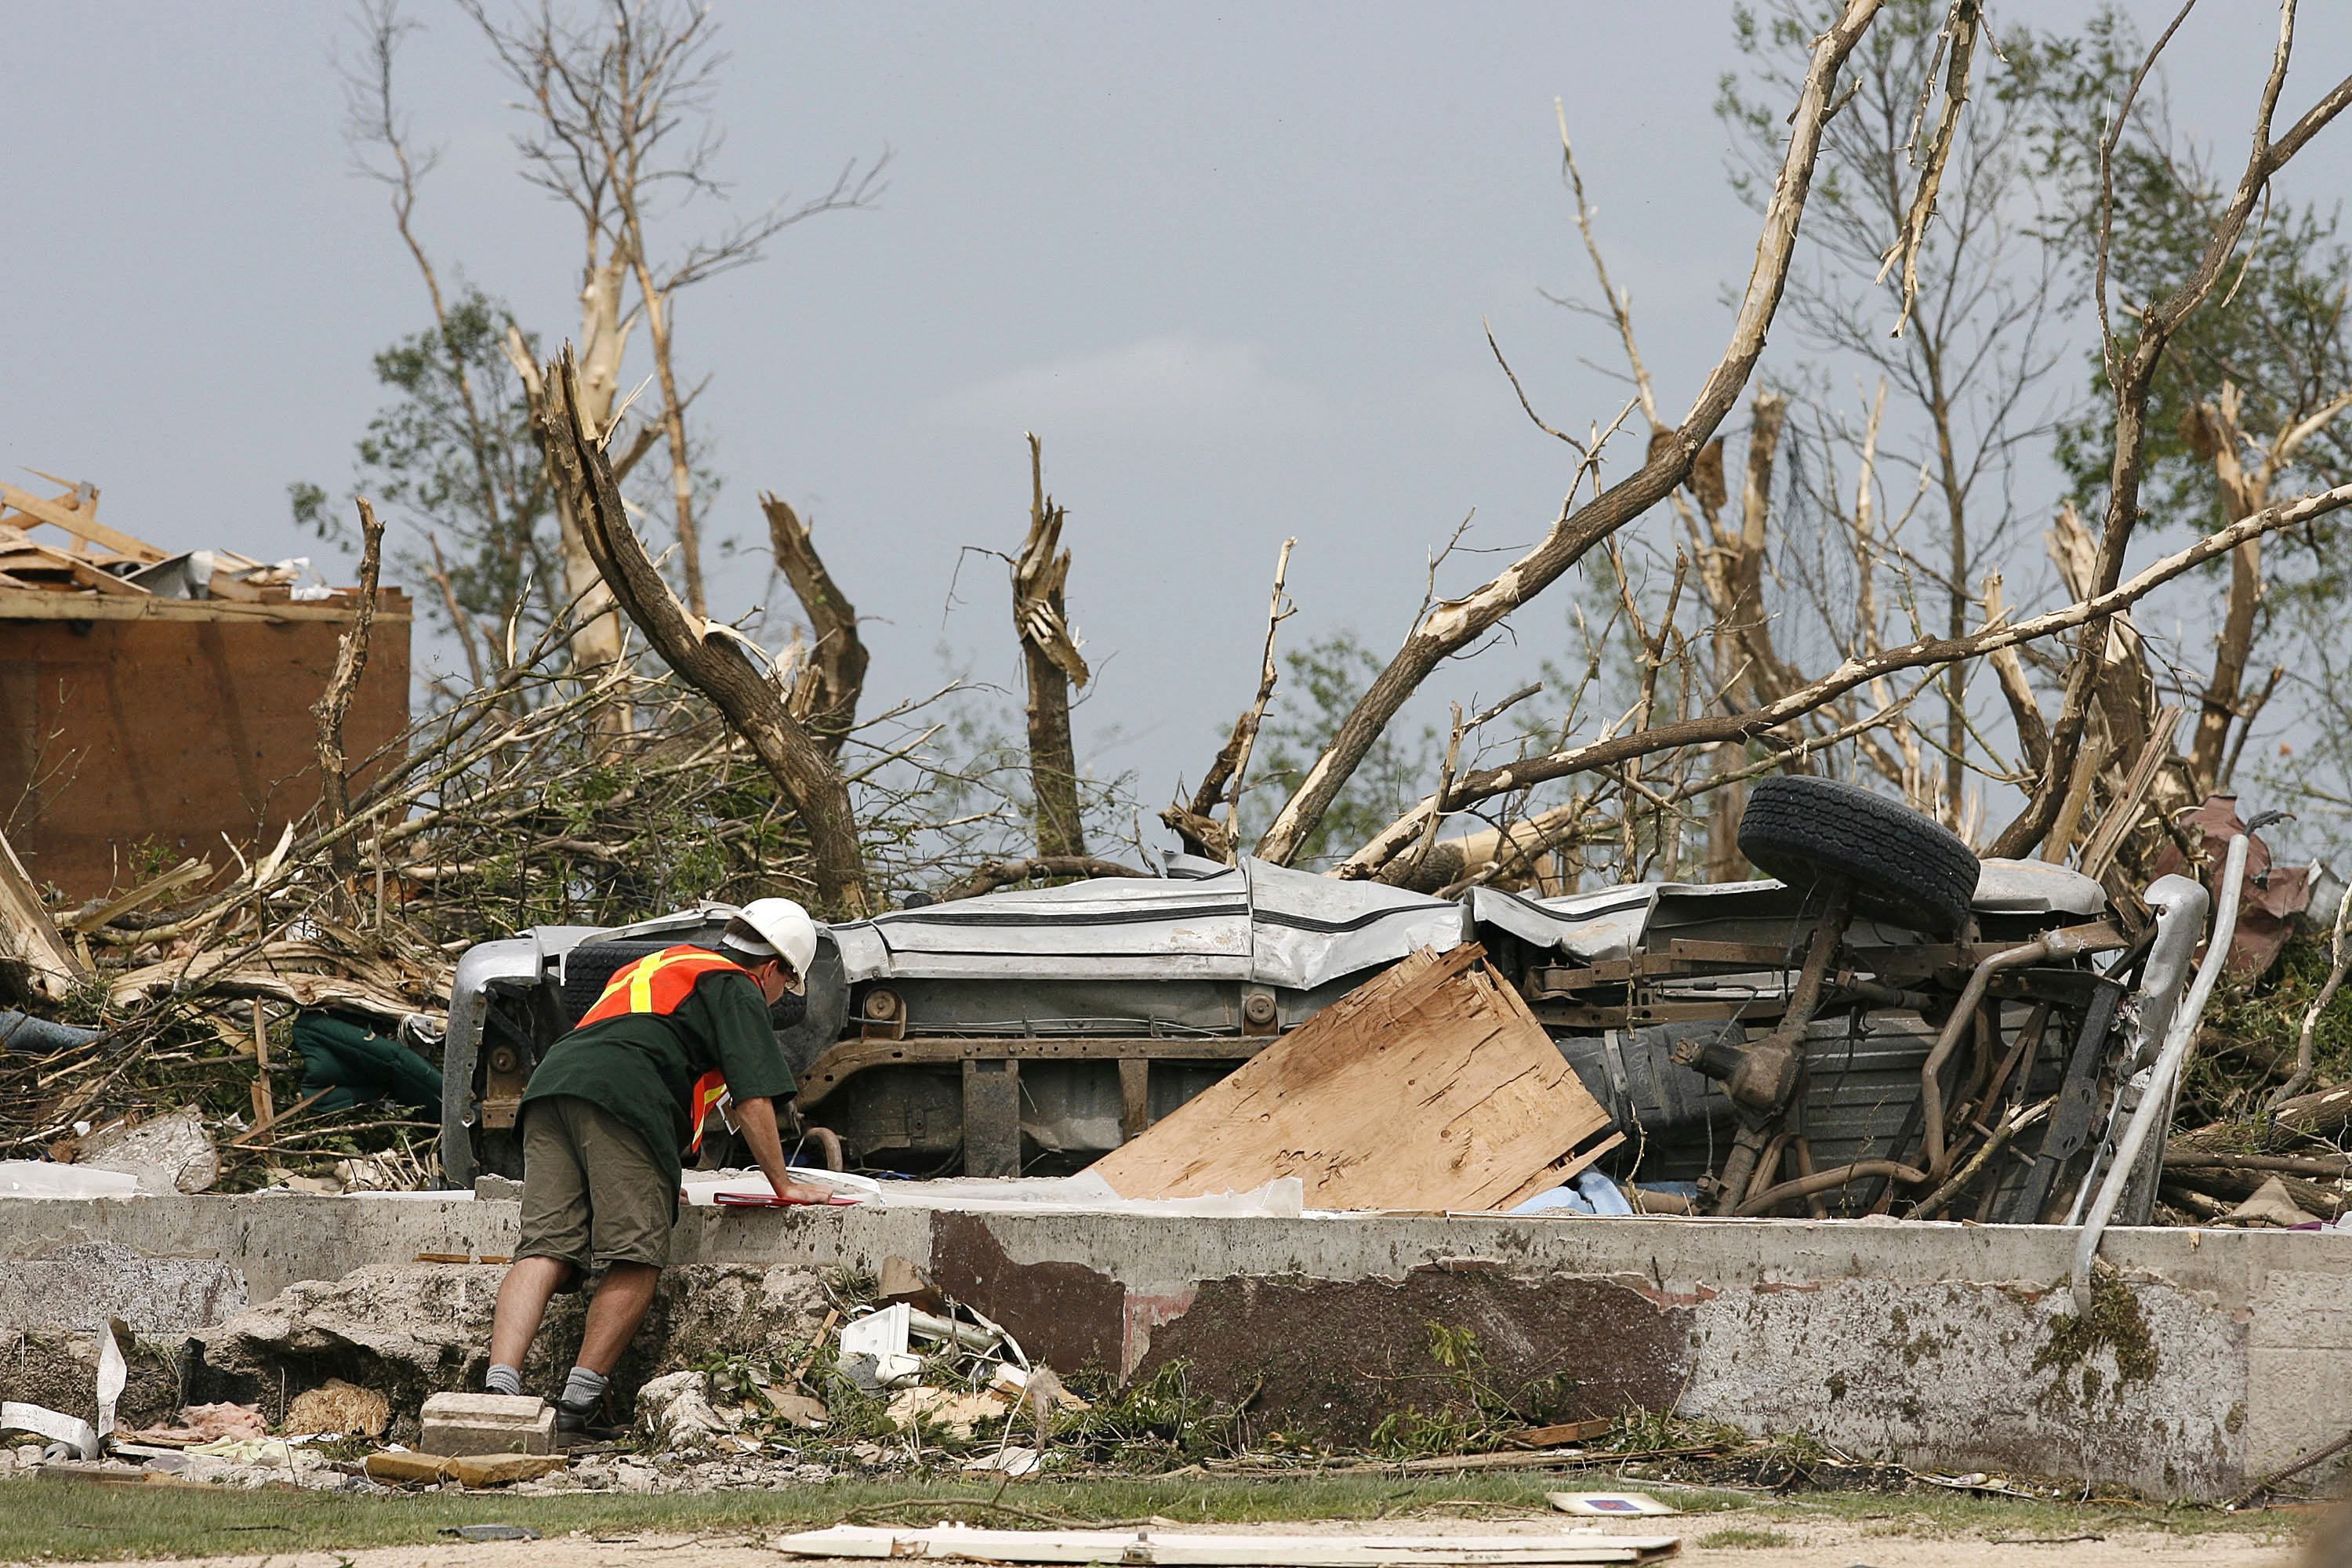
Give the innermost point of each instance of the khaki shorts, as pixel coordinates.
(590, 1190)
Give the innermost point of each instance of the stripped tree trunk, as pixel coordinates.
(2132, 376)
(604, 332)
(1197, 825)
(2213, 433)
(1049, 650)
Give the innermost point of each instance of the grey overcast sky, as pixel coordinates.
(1230, 262)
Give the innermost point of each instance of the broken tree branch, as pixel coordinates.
(1960, 34)
(2024, 708)
(1005, 873)
(28, 938)
(711, 659)
(1451, 626)
(2307, 1042)
(350, 662)
(1483, 783)
(1197, 826)
(837, 662)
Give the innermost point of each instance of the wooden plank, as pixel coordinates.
(27, 934)
(1429, 1087)
(265, 1098)
(1565, 1432)
(49, 604)
(1134, 1096)
(61, 513)
(90, 576)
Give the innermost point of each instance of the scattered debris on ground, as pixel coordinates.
(1181, 1549)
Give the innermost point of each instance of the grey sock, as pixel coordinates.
(503, 1379)
(582, 1389)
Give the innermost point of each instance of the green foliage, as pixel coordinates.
(1324, 681)
(2256, 1029)
(2274, 325)
(452, 454)
(1150, 1422)
(1474, 1413)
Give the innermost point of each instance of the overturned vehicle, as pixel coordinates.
(1888, 1026)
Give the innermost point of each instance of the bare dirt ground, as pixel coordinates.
(1760, 1538)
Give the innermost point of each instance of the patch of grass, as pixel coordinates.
(71, 1522)
(1743, 1535)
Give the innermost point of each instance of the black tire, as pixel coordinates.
(589, 967)
(1906, 867)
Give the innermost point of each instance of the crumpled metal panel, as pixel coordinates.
(1256, 923)
(1588, 926)
(1306, 929)
(1107, 928)
(2036, 887)
(1611, 922)
(1616, 923)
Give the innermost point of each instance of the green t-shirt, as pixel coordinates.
(642, 1067)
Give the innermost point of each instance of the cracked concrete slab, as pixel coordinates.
(2217, 1357)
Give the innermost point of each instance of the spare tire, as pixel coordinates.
(1900, 864)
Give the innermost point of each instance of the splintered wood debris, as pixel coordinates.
(100, 573)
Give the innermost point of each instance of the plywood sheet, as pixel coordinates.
(1429, 1087)
(128, 745)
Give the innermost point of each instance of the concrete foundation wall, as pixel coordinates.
(2212, 1358)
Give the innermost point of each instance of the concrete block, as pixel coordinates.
(461, 1424)
(2302, 1309)
(465, 1469)
(2296, 1400)
(405, 1470)
(500, 1470)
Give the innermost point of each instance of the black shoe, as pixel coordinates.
(576, 1427)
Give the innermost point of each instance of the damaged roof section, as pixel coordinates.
(153, 703)
(82, 569)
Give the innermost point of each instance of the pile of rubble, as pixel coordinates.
(786, 1376)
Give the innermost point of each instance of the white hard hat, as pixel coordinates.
(785, 931)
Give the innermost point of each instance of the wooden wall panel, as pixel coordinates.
(124, 739)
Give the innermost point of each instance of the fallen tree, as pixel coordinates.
(1936, 652)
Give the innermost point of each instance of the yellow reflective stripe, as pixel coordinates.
(639, 976)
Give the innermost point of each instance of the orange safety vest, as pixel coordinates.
(659, 984)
